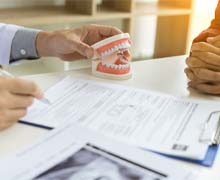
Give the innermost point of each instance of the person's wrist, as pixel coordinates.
(43, 44)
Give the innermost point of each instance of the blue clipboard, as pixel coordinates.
(208, 161)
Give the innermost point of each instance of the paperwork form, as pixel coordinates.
(149, 120)
(71, 152)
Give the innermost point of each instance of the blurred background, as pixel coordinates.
(159, 28)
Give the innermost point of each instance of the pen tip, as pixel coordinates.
(45, 101)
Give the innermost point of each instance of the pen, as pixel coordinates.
(7, 74)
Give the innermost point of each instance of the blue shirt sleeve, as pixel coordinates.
(24, 45)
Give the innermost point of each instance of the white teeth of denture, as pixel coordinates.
(116, 48)
(127, 45)
(124, 45)
(106, 53)
(114, 66)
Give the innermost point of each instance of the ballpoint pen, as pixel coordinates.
(7, 74)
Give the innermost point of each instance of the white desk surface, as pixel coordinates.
(163, 75)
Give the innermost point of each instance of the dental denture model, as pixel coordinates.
(112, 58)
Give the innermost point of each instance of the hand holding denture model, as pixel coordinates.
(112, 57)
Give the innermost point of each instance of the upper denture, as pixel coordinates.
(113, 47)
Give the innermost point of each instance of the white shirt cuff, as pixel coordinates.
(7, 32)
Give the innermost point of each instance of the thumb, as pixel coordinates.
(213, 39)
(84, 49)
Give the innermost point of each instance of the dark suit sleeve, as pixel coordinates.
(215, 24)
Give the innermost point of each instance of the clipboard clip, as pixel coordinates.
(211, 131)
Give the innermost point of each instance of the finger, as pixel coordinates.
(205, 34)
(208, 57)
(25, 87)
(206, 75)
(207, 88)
(192, 77)
(192, 84)
(107, 30)
(16, 114)
(216, 44)
(83, 49)
(194, 62)
(20, 101)
(190, 74)
(71, 57)
(213, 39)
(205, 47)
(11, 116)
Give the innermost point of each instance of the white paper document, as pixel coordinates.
(149, 120)
(71, 152)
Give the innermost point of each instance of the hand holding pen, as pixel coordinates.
(16, 95)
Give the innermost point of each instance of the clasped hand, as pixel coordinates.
(203, 69)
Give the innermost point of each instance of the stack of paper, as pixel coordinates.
(73, 153)
(150, 120)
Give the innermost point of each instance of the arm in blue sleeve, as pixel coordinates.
(24, 45)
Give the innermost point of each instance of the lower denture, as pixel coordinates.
(109, 70)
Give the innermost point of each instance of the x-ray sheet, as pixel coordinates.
(147, 119)
(71, 152)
